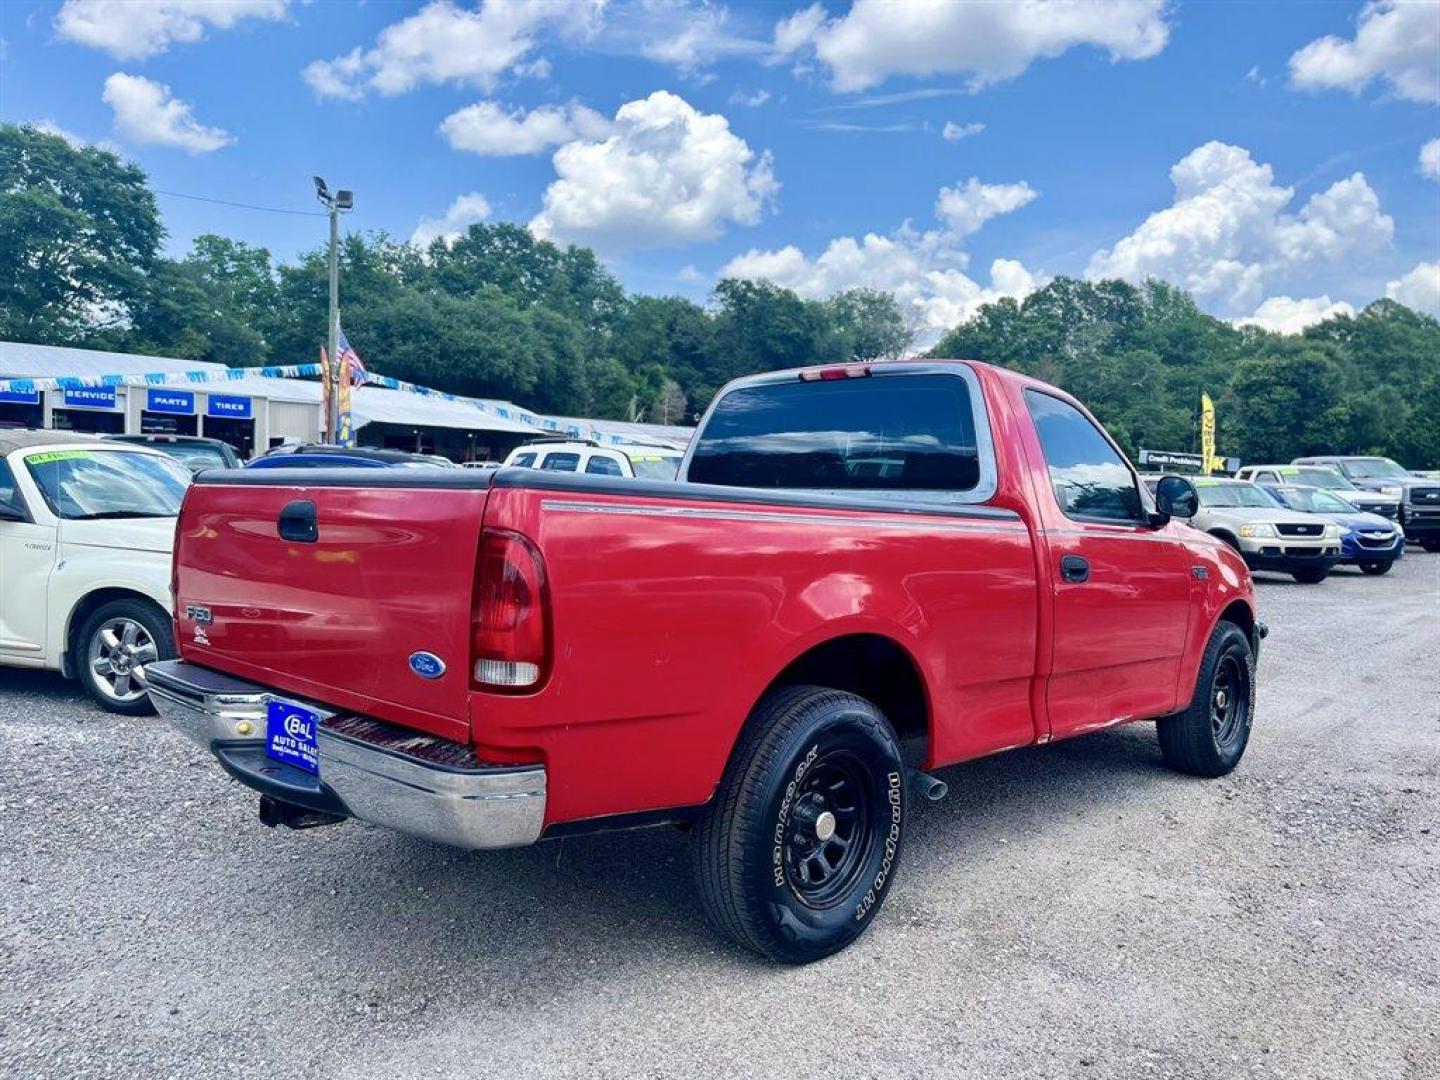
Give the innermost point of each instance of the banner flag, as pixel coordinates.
(327, 426)
(1207, 432)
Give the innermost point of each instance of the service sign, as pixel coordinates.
(176, 402)
(91, 397)
(227, 405)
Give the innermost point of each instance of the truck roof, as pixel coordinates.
(22, 438)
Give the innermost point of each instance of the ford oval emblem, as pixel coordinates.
(427, 665)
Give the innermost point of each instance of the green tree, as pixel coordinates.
(1290, 401)
(78, 234)
(869, 323)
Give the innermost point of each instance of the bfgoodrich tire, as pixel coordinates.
(1210, 736)
(112, 649)
(798, 849)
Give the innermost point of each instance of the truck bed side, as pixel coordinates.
(676, 605)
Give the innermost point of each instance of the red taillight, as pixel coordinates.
(510, 624)
(849, 371)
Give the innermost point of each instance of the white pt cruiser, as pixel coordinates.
(86, 530)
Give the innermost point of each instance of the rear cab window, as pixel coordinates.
(523, 461)
(561, 462)
(897, 433)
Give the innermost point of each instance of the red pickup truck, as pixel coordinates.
(863, 572)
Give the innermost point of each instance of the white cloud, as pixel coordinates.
(967, 208)
(1396, 42)
(1430, 159)
(465, 211)
(1419, 289)
(688, 36)
(1226, 238)
(795, 32)
(750, 101)
(953, 132)
(135, 31)
(443, 43)
(1284, 315)
(690, 274)
(878, 39)
(925, 270)
(146, 112)
(666, 174)
(485, 128)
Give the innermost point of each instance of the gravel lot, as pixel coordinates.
(1069, 911)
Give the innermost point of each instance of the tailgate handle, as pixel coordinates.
(297, 522)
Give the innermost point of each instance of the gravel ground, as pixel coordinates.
(1074, 910)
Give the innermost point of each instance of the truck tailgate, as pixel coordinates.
(337, 619)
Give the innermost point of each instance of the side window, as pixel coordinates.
(1091, 479)
(8, 492)
(523, 461)
(603, 466)
(1266, 477)
(561, 462)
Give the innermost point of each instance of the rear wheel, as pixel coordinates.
(112, 649)
(1376, 568)
(1310, 577)
(800, 845)
(1210, 736)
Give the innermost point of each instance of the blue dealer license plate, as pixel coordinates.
(290, 735)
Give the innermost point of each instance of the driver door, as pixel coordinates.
(1119, 587)
(27, 557)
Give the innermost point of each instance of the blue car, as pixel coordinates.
(1368, 541)
(323, 456)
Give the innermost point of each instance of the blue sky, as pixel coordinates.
(1268, 156)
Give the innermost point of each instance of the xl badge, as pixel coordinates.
(427, 665)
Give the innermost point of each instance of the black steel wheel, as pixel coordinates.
(1209, 737)
(799, 847)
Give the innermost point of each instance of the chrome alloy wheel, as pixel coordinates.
(116, 655)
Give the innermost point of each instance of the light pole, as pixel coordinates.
(335, 202)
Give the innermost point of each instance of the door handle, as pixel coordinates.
(1075, 569)
(297, 522)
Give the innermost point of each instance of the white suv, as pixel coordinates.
(86, 530)
(646, 462)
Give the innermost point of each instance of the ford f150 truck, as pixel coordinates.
(863, 572)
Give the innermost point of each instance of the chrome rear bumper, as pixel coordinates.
(431, 788)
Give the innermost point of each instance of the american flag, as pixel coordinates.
(348, 355)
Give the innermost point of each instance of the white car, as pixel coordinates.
(646, 462)
(86, 531)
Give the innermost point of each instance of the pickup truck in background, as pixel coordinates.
(865, 572)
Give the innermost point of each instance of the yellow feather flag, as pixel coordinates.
(1207, 432)
(325, 400)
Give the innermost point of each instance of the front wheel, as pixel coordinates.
(112, 649)
(1210, 736)
(1310, 577)
(1375, 569)
(800, 845)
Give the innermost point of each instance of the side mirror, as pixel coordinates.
(10, 512)
(1176, 496)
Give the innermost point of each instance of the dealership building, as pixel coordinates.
(254, 413)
